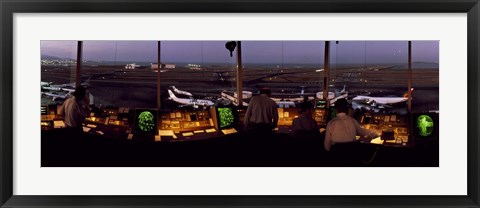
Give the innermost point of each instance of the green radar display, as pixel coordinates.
(425, 125)
(225, 117)
(146, 121)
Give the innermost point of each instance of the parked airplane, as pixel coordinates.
(291, 102)
(285, 104)
(334, 96)
(189, 102)
(61, 91)
(56, 97)
(233, 99)
(381, 102)
(59, 87)
(45, 83)
(181, 91)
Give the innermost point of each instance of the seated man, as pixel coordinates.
(75, 109)
(343, 128)
(305, 126)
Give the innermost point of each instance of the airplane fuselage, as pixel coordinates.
(380, 100)
(192, 102)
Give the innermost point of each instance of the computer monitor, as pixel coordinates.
(53, 109)
(146, 121)
(366, 119)
(226, 117)
(425, 125)
(193, 116)
(319, 103)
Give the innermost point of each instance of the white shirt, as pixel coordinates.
(343, 129)
(261, 109)
(74, 112)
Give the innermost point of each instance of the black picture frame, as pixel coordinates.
(10, 7)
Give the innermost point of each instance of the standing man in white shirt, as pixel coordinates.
(262, 115)
(343, 128)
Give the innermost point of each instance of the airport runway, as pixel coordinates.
(136, 88)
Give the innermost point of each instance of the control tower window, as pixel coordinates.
(58, 63)
(425, 76)
(118, 73)
(195, 73)
(374, 73)
(293, 70)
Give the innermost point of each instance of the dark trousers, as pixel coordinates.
(345, 154)
(259, 130)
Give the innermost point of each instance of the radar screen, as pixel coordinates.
(425, 125)
(226, 117)
(145, 121)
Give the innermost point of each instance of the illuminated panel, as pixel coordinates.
(322, 104)
(43, 110)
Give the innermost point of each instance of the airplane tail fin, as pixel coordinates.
(405, 95)
(344, 89)
(171, 94)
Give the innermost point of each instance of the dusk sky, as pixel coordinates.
(279, 52)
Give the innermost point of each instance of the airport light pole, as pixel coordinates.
(239, 74)
(326, 72)
(78, 81)
(409, 77)
(159, 105)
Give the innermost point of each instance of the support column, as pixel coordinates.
(326, 72)
(159, 66)
(78, 80)
(409, 76)
(239, 74)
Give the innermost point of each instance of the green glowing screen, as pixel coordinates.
(146, 121)
(425, 125)
(225, 117)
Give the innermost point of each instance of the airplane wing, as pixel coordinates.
(365, 101)
(371, 103)
(384, 106)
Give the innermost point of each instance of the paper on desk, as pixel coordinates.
(58, 124)
(210, 130)
(377, 140)
(167, 133)
(86, 129)
(187, 134)
(229, 131)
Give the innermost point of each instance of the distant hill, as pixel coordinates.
(48, 57)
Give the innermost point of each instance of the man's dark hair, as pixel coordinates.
(304, 106)
(265, 91)
(342, 105)
(79, 93)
